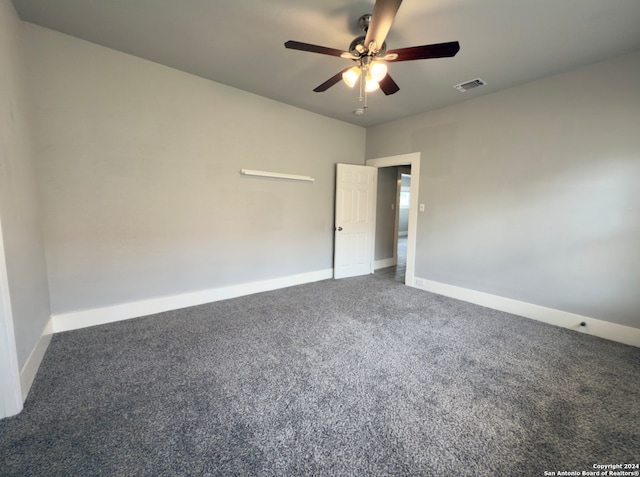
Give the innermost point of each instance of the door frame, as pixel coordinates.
(411, 159)
(396, 222)
(10, 389)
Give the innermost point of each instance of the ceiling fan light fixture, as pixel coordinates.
(350, 77)
(371, 84)
(378, 70)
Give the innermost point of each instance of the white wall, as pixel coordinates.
(140, 178)
(19, 204)
(532, 193)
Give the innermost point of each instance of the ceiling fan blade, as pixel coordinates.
(384, 12)
(297, 45)
(424, 52)
(330, 82)
(388, 86)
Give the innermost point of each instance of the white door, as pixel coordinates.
(356, 188)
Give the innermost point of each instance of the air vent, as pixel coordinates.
(476, 83)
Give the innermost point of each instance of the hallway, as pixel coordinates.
(397, 272)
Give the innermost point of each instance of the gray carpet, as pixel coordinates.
(357, 377)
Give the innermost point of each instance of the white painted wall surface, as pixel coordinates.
(19, 205)
(140, 176)
(532, 193)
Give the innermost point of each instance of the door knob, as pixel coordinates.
(339, 229)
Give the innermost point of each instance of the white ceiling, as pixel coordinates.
(240, 43)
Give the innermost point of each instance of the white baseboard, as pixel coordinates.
(99, 316)
(31, 366)
(387, 262)
(603, 329)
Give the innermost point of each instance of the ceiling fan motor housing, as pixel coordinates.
(357, 47)
(364, 21)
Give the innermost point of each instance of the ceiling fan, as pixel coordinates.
(370, 53)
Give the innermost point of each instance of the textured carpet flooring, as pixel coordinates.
(361, 377)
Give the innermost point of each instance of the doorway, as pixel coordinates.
(411, 160)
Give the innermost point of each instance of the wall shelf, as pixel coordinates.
(276, 175)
